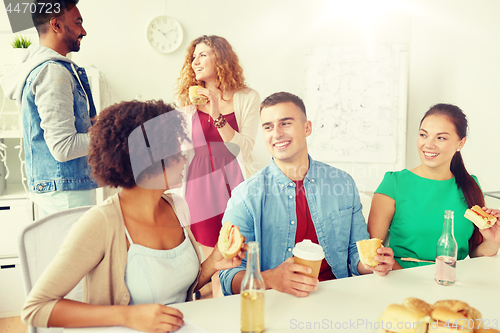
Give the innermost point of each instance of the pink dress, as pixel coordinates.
(213, 173)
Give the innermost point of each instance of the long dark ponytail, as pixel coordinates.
(471, 190)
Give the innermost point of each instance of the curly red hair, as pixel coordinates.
(229, 72)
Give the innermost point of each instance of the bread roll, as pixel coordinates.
(480, 218)
(400, 319)
(230, 240)
(367, 249)
(195, 98)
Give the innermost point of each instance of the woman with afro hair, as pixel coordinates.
(134, 252)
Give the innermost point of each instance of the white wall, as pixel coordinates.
(271, 38)
(453, 54)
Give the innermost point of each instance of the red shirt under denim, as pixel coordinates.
(305, 228)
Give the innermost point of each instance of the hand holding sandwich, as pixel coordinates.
(385, 257)
(217, 261)
(209, 101)
(212, 105)
(220, 262)
(373, 257)
(491, 235)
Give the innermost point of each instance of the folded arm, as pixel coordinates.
(143, 317)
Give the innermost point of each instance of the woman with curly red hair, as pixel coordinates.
(134, 251)
(223, 133)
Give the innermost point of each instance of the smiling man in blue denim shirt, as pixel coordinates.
(265, 207)
(56, 102)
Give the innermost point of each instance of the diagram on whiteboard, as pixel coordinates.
(356, 100)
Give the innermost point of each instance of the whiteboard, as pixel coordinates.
(356, 99)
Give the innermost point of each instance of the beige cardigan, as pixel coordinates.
(95, 250)
(246, 104)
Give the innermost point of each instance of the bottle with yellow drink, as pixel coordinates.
(252, 293)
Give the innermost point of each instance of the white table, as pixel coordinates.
(353, 304)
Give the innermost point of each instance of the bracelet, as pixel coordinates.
(220, 121)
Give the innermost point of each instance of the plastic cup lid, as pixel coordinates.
(308, 250)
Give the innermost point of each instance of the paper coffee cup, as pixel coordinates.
(309, 254)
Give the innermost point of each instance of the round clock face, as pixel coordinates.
(165, 34)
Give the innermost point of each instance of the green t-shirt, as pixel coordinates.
(419, 215)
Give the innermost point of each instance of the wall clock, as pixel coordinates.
(164, 34)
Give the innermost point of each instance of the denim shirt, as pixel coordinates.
(43, 171)
(264, 208)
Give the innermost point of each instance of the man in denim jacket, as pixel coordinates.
(270, 209)
(56, 102)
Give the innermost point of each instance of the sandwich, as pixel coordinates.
(367, 249)
(195, 98)
(401, 319)
(230, 240)
(480, 218)
(418, 304)
(445, 320)
(471, 314)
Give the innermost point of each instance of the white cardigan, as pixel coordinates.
(246, 104)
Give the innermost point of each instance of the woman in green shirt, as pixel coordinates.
(410, 204)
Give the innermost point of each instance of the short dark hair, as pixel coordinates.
(47, 10)
(110, 144)
(283, 97)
